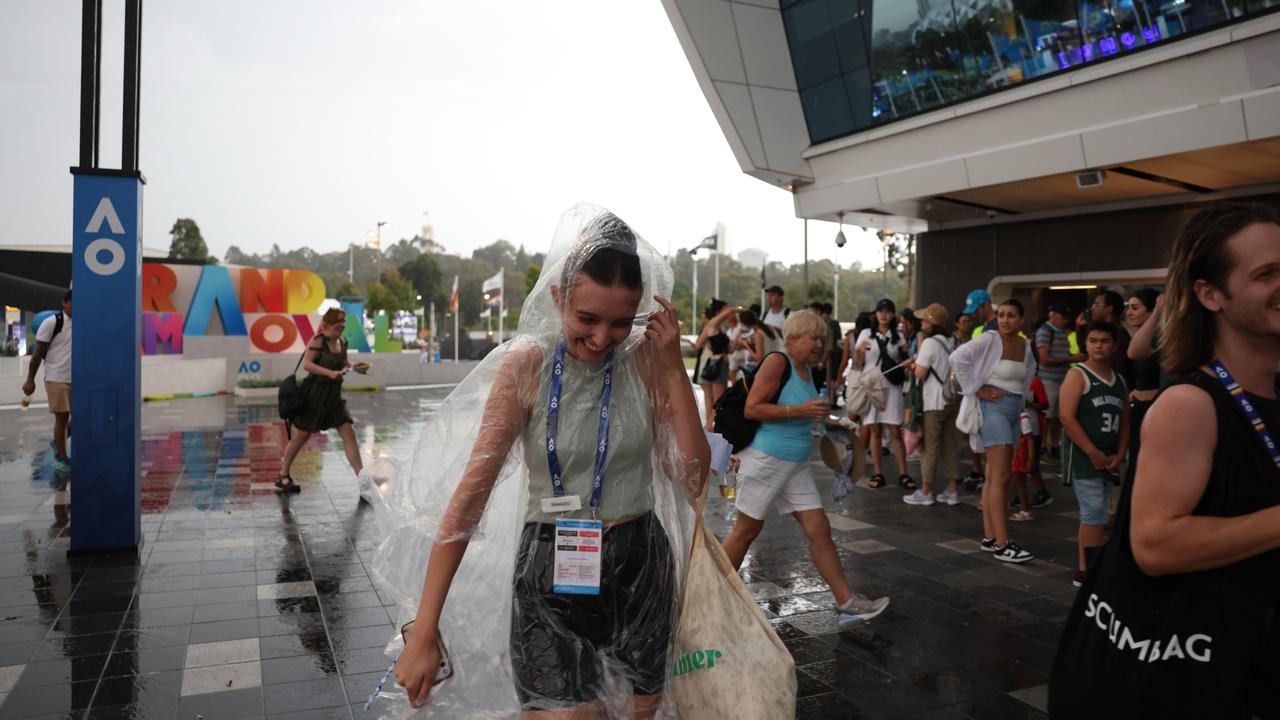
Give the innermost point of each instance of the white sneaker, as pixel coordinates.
(918, 498)
(861, 609)
(1011, 553)
(947, 498)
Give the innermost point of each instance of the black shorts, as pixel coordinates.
(558, 642)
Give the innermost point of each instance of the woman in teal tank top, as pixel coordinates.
(775, 467)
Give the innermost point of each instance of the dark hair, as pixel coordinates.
(828, 308)
(615, 264)
(755, 308)
(713, 308)
(751, 319)
(911, 322)
(1016, 303)
(1147, 296)
(1113, 300)
(1101, 326)
(964, 315)
(66, 296)
(1187, 329)
(815, 306)
(864, 321)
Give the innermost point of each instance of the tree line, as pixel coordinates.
(394, 279)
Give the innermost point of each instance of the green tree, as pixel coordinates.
(403, 293)
(347, 289)
(379, 299)
(423, 273)
(530, 276)
(187, 243)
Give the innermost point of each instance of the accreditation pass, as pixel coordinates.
(578, 557)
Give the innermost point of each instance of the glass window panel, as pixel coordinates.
(849, 33)
(826, 109)
(858, 88)
(916, 61)
(862, 63)
(813, 51)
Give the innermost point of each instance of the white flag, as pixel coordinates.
(493, 283)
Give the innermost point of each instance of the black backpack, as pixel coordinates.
(289, 397)
(731, 419)
(893, 372)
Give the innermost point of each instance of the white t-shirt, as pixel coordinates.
(935, 354)
(57, 360)
(775, 318)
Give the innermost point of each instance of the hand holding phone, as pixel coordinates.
(423, 666)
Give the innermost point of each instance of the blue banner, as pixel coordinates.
(106, 381)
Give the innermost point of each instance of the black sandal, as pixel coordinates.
(876, 481)
(905, 481)
(290, 487)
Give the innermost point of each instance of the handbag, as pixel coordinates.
(711, 371)
(289, 400)
(1136, 645)
(970, 423)
(728, 661)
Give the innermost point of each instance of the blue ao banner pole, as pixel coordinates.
(106, 274)
(106, 367)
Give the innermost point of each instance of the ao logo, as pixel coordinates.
(106, 212)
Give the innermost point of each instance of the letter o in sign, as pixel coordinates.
(99, 246)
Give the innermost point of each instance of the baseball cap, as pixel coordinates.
(935, 313)
(886, 304)
(1061, 309)
(774, 289)
(975, 300)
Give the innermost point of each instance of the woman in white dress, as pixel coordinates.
(884, 346)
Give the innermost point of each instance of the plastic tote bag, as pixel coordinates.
(728, 661)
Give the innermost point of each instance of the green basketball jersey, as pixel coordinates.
(1099, 413)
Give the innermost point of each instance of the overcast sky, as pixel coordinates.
(307, 122)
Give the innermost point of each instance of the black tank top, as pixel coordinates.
(1243, 480)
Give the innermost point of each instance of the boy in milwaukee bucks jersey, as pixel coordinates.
(1095, 419)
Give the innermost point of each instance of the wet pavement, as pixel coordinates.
(245, 604)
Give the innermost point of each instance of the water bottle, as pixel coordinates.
(25, 404)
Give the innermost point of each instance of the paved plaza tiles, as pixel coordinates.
(244, 604)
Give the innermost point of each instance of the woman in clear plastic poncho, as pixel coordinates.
(594, 387)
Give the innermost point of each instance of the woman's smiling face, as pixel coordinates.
(596, 318)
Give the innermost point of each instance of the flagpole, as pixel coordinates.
(455, 336)
(502, 300)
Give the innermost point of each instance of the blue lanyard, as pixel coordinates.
(553, 426)
(1250, 411)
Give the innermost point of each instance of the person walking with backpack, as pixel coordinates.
(941, 403)
(882, 346)
(323, 407)
(995, 371)
(53, 348)
(774, 474)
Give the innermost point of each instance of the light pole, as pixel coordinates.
(835, 306)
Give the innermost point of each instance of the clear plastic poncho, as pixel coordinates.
(493, 426)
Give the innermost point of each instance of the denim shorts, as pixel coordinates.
(1001, 421)
(1092, 494)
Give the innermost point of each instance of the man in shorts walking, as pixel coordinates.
(53, 349)
(1095, 417)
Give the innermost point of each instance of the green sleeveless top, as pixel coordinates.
(628, 472)
(1099, 413)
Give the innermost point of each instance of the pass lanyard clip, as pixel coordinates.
(553, 426)
(1250, 412)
